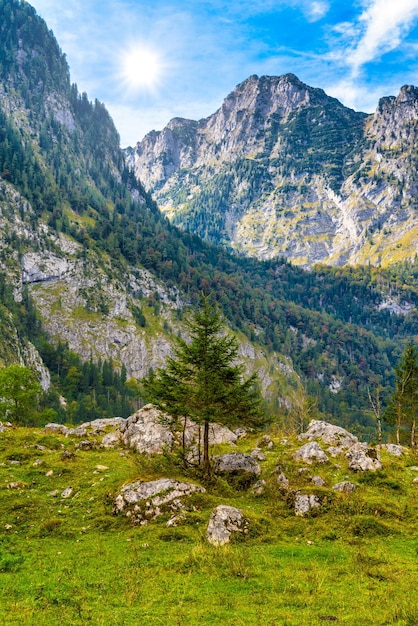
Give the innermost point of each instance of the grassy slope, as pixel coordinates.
(70, 561)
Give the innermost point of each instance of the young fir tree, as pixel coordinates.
(403, 403)
(201, 380)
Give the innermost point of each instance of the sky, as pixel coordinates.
(151, 60)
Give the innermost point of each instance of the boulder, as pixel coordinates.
(345, 487)
(306, 503)
(56, 429)
(142, 501)
(318, 481)
(238, 467)
(311, 453)
(224, 522)
(144, 431)
(392, 448)
(363, 458)
(330, 434)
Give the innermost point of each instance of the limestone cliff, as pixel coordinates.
(281, 169)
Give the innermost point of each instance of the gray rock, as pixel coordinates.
(311, 453)
(16, 485)
(67, 493)
(318, 481)
(237, 466)
(415, 481)
(345, 487)
(258, 454)
(86, 444)
(333, 451)
(305, 503)
(259, 487)
(56, 429)
(392, 448)
(112, 439)
(363, 458)
(266, 442)
(282, 480)
(330, 434)
(145, 433)
(143, 501)
(240, 432)
(224, 522)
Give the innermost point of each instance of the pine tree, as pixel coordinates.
(403, 403)
(201, 381)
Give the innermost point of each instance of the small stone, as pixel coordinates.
(258, 487)
(101, 468)
(258, 454)
(54, 493)
(37, 462)
(318, 481)
(13, 462)
(282, 480)
(49, 473)
(67, 493)
(85, 444)
(415, 481)
(8, 526)
(345, 487)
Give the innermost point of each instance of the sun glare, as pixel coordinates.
(141, 68)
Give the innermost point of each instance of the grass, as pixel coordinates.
(69, 560)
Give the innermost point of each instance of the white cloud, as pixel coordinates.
(316, 10)
(383, 24)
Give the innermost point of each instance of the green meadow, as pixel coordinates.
(71, 561)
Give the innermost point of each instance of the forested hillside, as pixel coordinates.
(81, 239)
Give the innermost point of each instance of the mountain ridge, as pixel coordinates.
(282, 169)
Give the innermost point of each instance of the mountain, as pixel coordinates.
(282, 169)
(95, 280)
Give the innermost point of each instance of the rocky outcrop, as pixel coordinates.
(363, 458)
(240, 468)
(329, 434)
(310, 453)
(224, 523)
(143, 501)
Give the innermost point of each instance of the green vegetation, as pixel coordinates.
(69, 560)
(19, 392)
(201, 381)
(402, 408)
(329, 321)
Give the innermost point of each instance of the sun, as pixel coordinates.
(141, 68)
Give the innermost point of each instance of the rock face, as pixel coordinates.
(311, 453)
(287, 159)
(363, 458)
(238, 467)
(330, 434)
(225, 522)
(144, 501)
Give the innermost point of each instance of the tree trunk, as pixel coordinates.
(206, 459)
(413, 442)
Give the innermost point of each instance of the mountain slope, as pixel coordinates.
(110, 275)
(282, 169)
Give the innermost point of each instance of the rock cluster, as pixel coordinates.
(143, 501)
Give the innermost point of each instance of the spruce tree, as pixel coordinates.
(403, 403)
(202, 381)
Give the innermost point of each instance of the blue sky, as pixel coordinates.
(152, 60)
